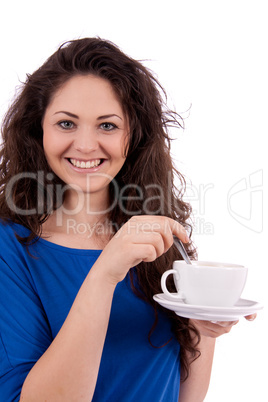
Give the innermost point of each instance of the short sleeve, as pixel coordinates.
(24, 330)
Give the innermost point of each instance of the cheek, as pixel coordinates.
(50, 148)
(53, 145)
(114, 146)
(48, 143)
(124, 146)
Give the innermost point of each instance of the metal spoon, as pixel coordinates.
(181, 249)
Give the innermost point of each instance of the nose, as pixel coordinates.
(86, 141)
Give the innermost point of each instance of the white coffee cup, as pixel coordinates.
(206, 283)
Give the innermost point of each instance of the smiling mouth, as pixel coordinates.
(85, 164)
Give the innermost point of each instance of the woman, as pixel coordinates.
(88, 212)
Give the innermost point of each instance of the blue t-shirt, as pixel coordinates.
(36, 294)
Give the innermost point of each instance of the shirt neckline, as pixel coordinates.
(50, 244)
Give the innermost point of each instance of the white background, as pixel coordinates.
(211, 56)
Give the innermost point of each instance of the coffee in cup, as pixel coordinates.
(206, 283)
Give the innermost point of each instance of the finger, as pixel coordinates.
(214, 329)
(217, 324)
(153, 239)
(148, 252)
(157, 224)
(178, 230)
(225, 324)
(251, 317)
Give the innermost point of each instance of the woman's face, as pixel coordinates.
(85, 133)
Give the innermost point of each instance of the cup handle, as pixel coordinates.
(178, 295)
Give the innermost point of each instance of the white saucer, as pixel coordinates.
(209, 313)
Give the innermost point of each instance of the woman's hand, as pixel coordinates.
(142, 238)
(214, 329)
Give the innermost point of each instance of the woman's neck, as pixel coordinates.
(83, 208)
(82, 220)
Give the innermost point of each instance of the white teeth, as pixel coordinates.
(85, 165)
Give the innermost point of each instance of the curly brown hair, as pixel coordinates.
(148, 165)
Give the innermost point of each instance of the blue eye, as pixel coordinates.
(108, 126)
(66, 124)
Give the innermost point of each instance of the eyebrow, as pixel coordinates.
(106, 116)
(68, 114)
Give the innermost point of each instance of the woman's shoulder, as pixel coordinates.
(11, 249)
(13, 255)
(9, 229)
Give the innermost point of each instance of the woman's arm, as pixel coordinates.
(68, 369)
(195, 388)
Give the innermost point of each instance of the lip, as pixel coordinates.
(86, 170)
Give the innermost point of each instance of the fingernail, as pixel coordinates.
(186, 238)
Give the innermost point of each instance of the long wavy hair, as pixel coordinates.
(148, 167)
